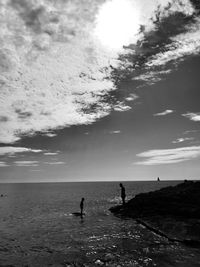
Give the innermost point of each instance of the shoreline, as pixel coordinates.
(172, 212)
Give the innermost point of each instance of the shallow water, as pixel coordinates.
(37, 228)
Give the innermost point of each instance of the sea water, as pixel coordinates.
(38, 228)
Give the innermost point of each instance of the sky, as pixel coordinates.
(99, 90)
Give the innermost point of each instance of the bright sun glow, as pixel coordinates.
(117, 23)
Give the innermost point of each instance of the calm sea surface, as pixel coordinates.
(37, 228)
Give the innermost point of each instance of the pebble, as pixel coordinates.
(109, 257)
(99, 262)
(146, 250)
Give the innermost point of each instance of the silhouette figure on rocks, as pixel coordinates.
(123, 193)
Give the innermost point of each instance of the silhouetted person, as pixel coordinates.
(158, 179)
(82, 205)
(123, 193)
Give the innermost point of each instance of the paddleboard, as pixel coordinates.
(78, 214)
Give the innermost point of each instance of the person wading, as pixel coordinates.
(82, 205)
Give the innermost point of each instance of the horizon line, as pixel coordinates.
(98, 181)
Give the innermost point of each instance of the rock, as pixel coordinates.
(99, 262)
(181, 200)
(109, 257)
(172, 212)
(146, 250)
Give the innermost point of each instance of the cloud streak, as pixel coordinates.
(11, 150)
(166, 112)
(168, 156)
(192, 116)
(115, 132)
(121, 107)
(55, 163)
(3, 164)
(182, 45)
(26, 163)
(50, 134)
(180, 140)
(170, 37)
(50, 153)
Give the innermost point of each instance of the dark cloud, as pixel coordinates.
(196, 4)
(134, 62)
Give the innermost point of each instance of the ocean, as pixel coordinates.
(38, 228)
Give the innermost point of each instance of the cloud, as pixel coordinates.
(172, 35)
(131, 97)
(152, 77)
(190, 131)
(166, 112)
(55, 74)
(169, 156)
(115, 132)
(54, 99)
(50, 153)
(50, 134)
(3, 164)
(180, 140)
(121, 107)
(182, 45)
(55, 163)
(13, 150)
(177, 48)
(26, 163)
(192, 116)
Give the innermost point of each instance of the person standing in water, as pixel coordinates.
(123, 193)
(82, 205)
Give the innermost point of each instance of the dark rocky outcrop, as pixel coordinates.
(182, 200)
(173, 211)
